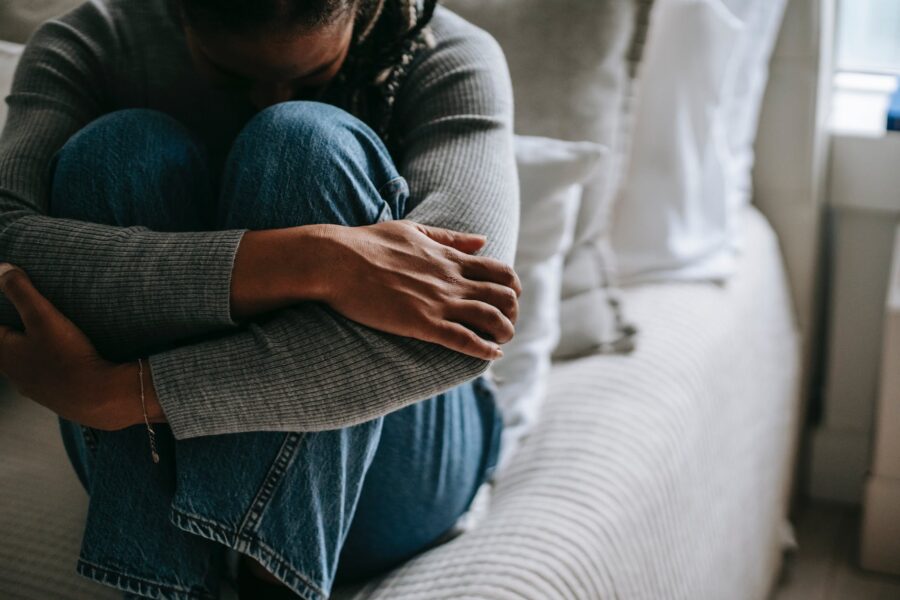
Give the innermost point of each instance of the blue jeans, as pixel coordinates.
(313, 508)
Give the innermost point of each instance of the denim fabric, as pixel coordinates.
(314, 508)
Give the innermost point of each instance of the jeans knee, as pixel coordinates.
(303, 162)
(125, 157)
(308, 124)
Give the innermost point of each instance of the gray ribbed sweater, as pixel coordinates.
(132, 290)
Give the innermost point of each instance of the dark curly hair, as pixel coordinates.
(387, 37)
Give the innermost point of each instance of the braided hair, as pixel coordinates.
(391, 34)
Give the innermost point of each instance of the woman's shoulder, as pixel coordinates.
(464, 71)
(112, 15)
(454, 33)
(110, 43)
(462, 48)
(108, 31)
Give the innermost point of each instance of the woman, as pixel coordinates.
(268, 223)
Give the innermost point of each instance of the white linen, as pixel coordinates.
(744, 95)
(550, 177)
(9, 58)
(682, 197)
(672, 219)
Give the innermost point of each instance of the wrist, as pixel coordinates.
(276, 268)
(120, 404)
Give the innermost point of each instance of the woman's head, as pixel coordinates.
(274, 50)
(278, 50)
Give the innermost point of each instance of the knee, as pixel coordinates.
(320, 162)
(125, 148)
(314, 129)
(126, 138)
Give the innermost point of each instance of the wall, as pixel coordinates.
(864, 210)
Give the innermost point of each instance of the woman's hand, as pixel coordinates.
(53, 363)
(420, 282)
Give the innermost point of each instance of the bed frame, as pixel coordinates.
(791, 160)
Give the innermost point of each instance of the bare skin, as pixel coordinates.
(427, 283)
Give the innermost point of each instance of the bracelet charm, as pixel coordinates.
(151, 434)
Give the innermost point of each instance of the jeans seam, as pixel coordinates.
(247, 543)
(279, 466)
(135, 585)
(283, 567)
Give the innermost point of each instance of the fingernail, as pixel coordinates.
(498, 353)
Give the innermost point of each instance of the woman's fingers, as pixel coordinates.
(497, 295)
(462, 339)
(483, 318)
(480, 268)
(464, 242)
(32, 306)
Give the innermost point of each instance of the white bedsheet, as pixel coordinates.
(659, 475)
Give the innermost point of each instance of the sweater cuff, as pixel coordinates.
(181, 406)
(207, 282)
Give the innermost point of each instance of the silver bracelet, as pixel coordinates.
(150, 433)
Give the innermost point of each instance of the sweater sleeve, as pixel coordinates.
(307, 368)
(128, 288)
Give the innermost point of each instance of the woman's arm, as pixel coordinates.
(399, 277)
(127, 288)
(308, 368)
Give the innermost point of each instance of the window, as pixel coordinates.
(868, 66)
(869, 36)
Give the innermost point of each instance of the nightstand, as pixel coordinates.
(880, 538)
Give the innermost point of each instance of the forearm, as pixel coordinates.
(244, 404)
(132, 290)
(306, 369)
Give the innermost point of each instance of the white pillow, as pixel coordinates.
(550, 174)
(705, 71)
(9, 58)
(671, 217)
(744, 96)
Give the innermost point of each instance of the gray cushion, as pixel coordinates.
(9, 58)
(18, 18)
